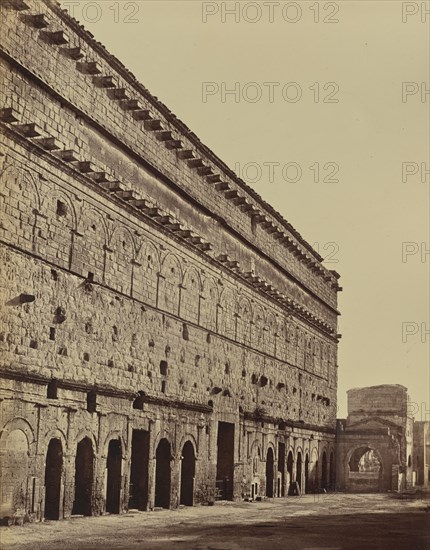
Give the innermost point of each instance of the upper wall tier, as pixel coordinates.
(102, 95)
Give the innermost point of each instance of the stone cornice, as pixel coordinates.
(176, 404)
(293, 424)
(36, 378)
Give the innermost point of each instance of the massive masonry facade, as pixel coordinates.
(166, 336)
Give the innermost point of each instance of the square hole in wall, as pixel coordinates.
(61, 208)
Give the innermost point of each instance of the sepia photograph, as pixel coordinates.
(214, 275)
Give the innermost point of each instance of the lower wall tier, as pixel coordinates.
(60, 459)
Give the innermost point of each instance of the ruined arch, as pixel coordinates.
(55, 433)
(85, 433)
(21, 186)
(18, 424)
(114, 434)
(364, 469)
(165, 434)
(188, 437)
(14, 472)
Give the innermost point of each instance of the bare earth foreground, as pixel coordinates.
(330, 522)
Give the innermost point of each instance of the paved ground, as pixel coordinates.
(329, 522)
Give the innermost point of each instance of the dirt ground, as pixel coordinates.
(311, 522)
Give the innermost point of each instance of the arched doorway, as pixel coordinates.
(188, 471)
(53, 471)
(290, 463)
(331, 472)
(84, 476)
(281, 470)
(113, 464)
(13, 474)
(139, 470)
(365, 471)
(299, 470)
(270, 461)
(324, 471)
(306, 474)
(162, 474)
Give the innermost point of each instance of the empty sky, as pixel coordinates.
(333, 111)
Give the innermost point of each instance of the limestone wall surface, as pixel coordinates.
(150, 300)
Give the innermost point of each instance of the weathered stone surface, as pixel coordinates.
(374, 444)
(141, 347)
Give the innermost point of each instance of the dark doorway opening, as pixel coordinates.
(365, 471)
(139, 470)
(270, 460)
(316, 486)
(281, 468)
(331, 472)
(225, 460)
(324, 471)
(84, 477)
(113, 492)
(306, 474)
(53, 471)
(299, 471)
(290, 462)
(188, 471)
(162, 474)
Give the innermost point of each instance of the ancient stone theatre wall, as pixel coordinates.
(166, 336)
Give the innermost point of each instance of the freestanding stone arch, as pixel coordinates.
(377, 422)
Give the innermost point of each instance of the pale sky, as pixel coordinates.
(365, 132)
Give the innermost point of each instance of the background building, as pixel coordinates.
(421, 454)
(375, 442)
